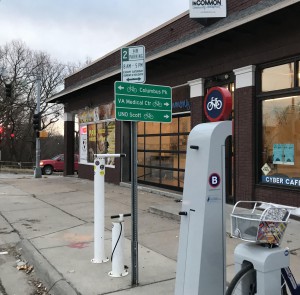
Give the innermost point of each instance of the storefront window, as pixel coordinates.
(281, 141)
(278, 77)
(162, 151)
(101, 139)
(92, 147)
(298, 76)
(97, 133)
(280, 135)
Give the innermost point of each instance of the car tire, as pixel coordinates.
(48, 170)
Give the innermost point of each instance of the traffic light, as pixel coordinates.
(1, 133)
(8, 90)
(36, 122)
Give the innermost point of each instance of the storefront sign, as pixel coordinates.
(181, 106)
(218, 104)
(295, 182)
(207, 8)
(83, 144)
(266, 169)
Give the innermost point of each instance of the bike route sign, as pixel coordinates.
(143, 102)
(218, 104)
(133, 64)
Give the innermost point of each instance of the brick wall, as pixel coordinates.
(197, 115)
(244, 142)
(238, 5)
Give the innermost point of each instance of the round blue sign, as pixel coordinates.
(214, 180)
(214, 104)
(218, 104)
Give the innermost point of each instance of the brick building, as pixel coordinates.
(254, 52)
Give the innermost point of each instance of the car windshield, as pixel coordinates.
(61, 157)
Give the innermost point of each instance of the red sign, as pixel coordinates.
(218, 104)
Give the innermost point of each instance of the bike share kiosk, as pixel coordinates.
(201, 261)
(263, 225)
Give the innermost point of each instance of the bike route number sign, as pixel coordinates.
(133, 64)
(143, 102)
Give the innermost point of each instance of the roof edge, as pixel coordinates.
(197, 39)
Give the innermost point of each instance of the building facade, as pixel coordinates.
(254, 52)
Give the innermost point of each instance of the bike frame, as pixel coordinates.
(290, 281)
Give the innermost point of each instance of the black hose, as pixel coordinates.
(112, 254)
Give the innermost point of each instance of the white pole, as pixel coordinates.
(99, 206)
(99, 172)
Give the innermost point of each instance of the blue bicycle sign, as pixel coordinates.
(218, 104)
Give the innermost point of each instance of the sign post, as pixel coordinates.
(133, 70)
(147, 103)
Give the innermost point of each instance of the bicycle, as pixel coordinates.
(132, 89)
(148, 116)
(264, 224)
(157, 103)
(214, 103)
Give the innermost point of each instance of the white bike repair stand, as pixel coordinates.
(267, 263)
(99, 205)
(201, 264)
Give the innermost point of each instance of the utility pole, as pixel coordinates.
(38, 171)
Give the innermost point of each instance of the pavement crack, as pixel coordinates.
(64, 211)
(2, 290)
(54, 232)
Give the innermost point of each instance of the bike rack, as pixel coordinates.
(117, 256)
(267, 263)
(99, 173)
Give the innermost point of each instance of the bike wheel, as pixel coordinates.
(244, 282)
(284, 289)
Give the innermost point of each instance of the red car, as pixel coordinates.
(56, 164)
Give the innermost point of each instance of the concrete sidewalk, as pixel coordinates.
(51, 219)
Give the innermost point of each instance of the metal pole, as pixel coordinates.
(38, 171)
(134, 204)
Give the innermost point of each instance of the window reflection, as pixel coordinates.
(281, 136)
(162, 151)
(279, 77)
(152, 128)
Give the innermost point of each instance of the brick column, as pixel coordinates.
(69, 143)
(244, 133)
(196, 98)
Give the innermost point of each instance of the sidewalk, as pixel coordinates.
(51, 219)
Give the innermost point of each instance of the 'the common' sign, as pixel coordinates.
(207, 8)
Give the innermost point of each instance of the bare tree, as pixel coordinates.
(23, 66)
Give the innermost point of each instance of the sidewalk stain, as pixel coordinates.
(79, 245)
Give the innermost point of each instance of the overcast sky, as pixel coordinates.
(72, 30)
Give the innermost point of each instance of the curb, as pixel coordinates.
(164, 212)
(53, 280)
(160, 192)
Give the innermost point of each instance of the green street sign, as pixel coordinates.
(143, 102)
